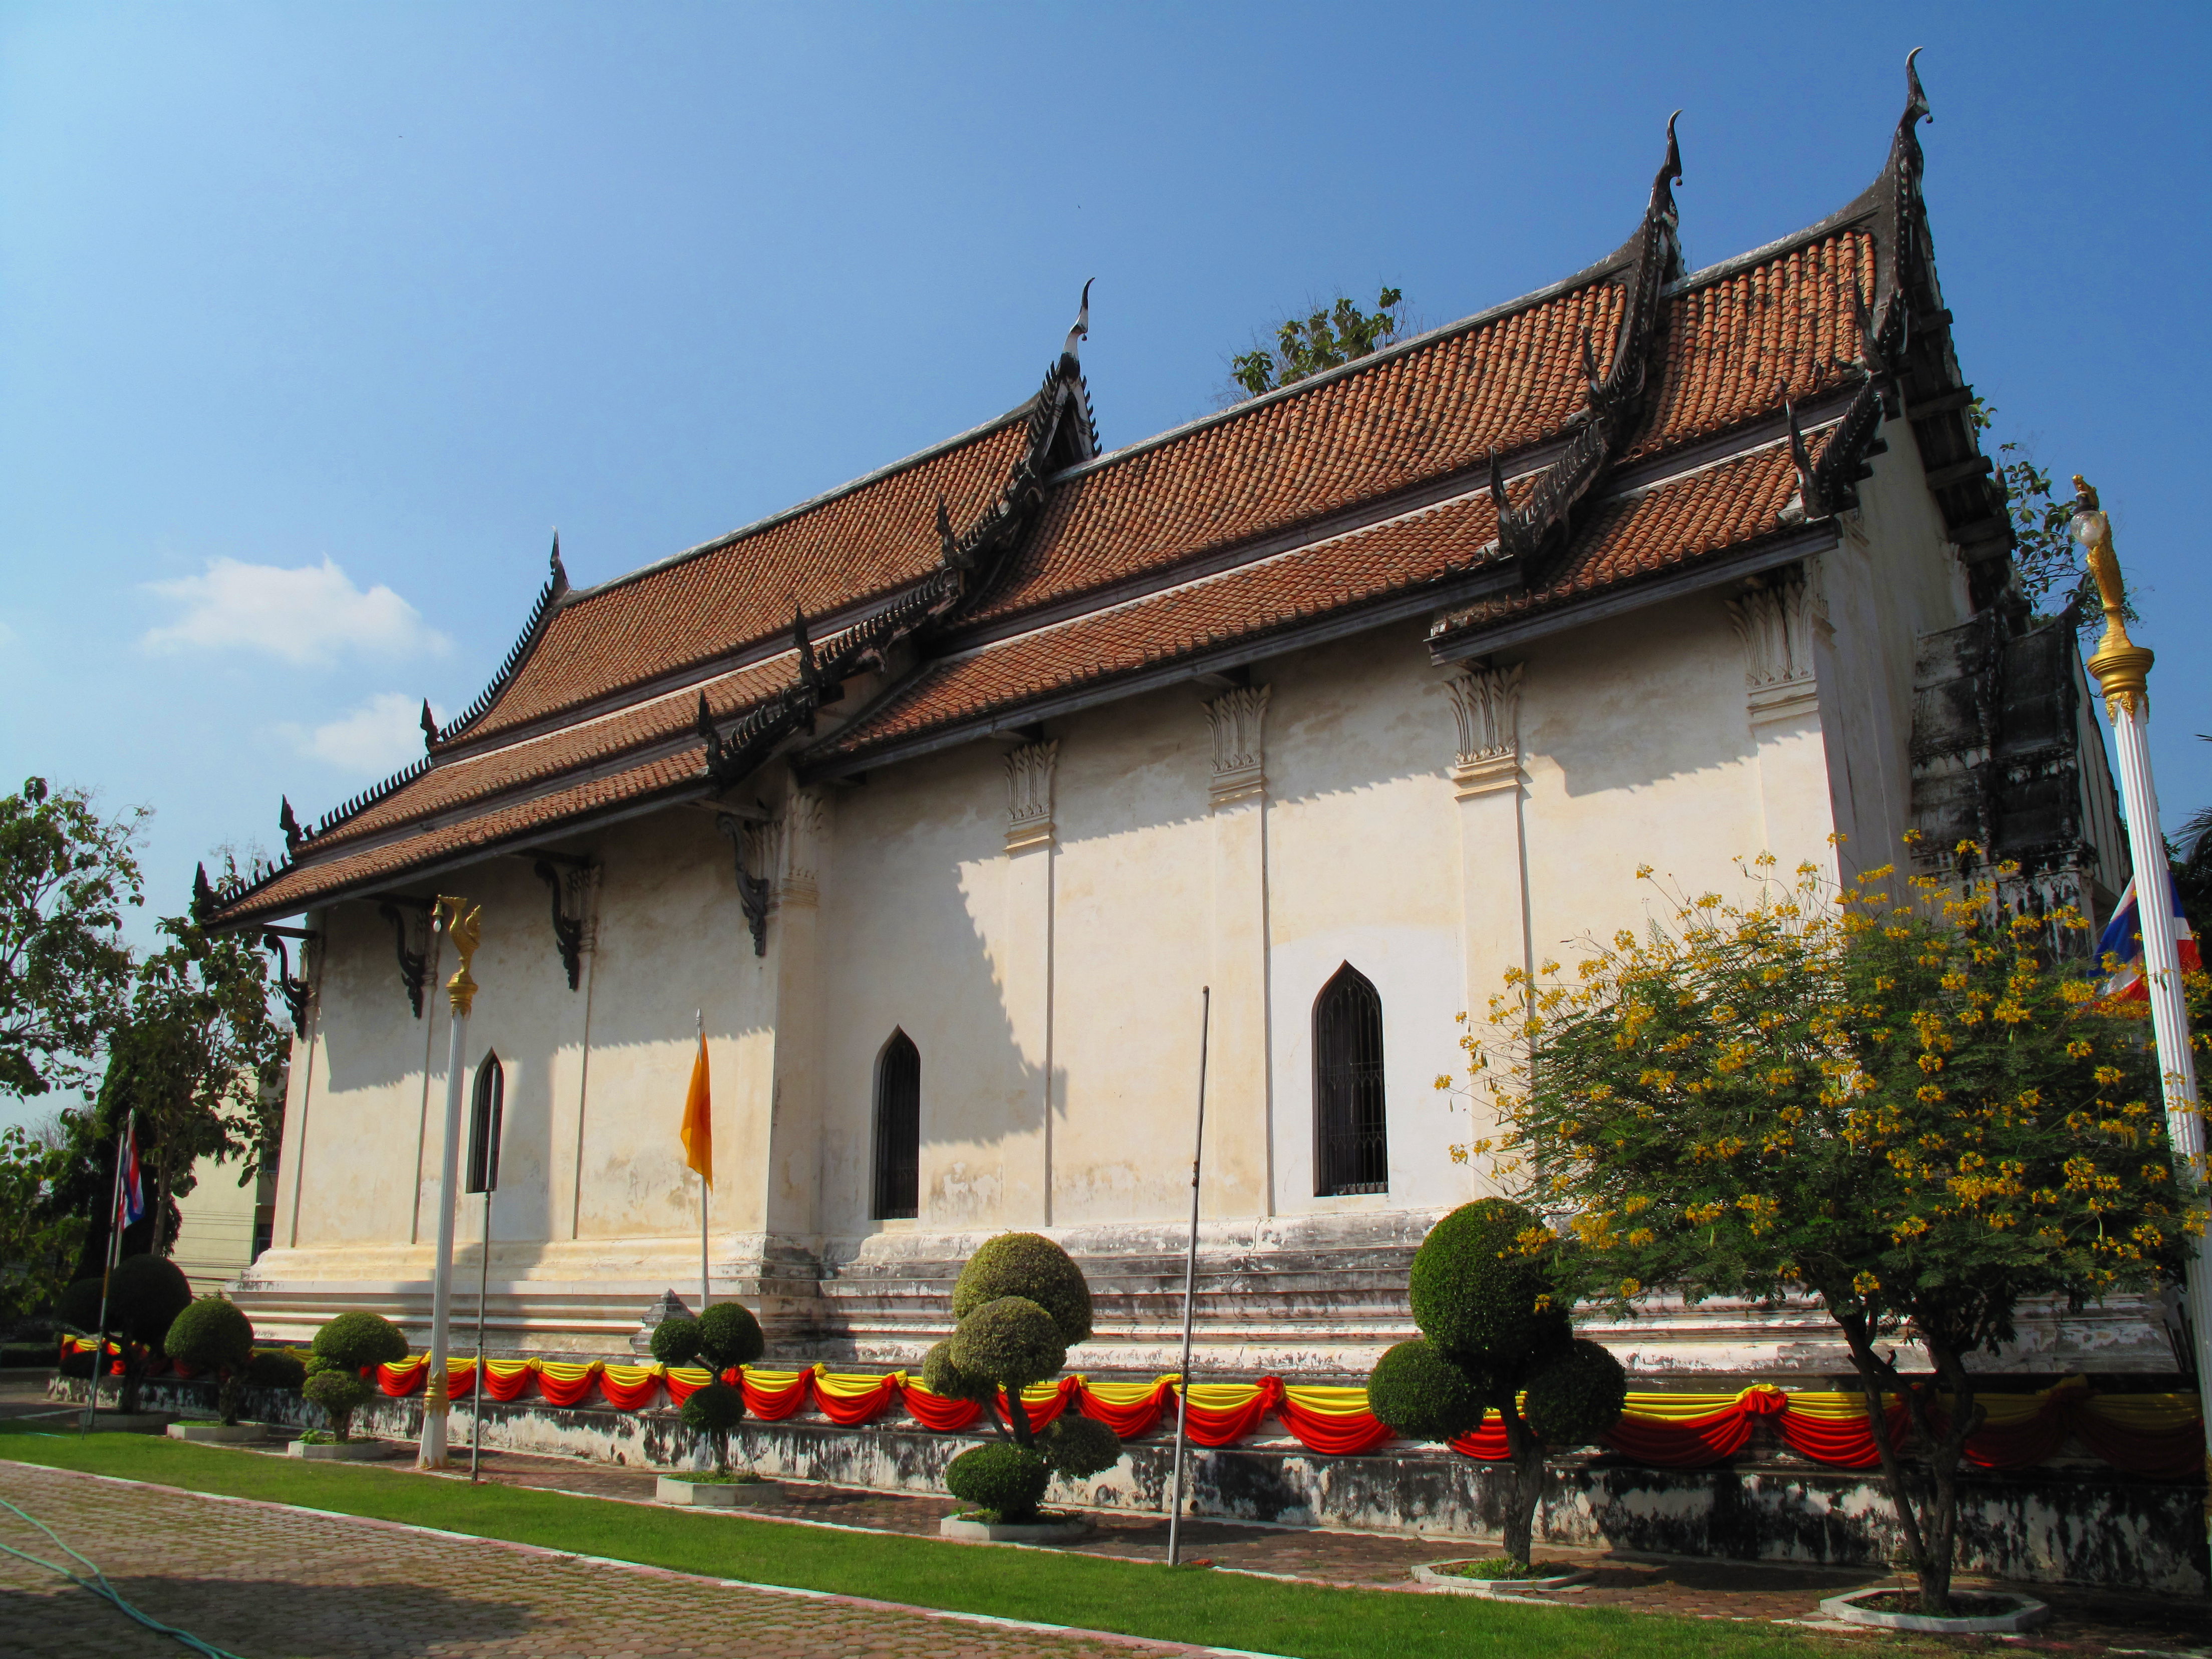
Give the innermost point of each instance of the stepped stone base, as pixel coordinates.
(1319, 1297)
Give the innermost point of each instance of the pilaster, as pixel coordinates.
(1239, 1173)
(1782, 622)
(787, 850)
(1488, 782)
(1026, 985)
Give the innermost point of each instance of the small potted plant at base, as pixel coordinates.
(214, 1335)
(725, 1337)
(343, 1349)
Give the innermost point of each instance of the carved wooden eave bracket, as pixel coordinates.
(298, 993)
(1535, 531)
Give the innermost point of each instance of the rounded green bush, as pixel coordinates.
(1007, 1481)
(276, 1368)
(1426, 1395)
(1575, 1398)
(211, 1334)
(340, 1394)
(1476, 1293)
(78, 1307)
(715, 1409)
(358, 1338)
(1033, 1267)
(1079, 1446)
(145, 1293)
(729, 1335)
(676, 1342)
(941, 1376)
(1011, 1341)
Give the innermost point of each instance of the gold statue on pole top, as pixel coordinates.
(2122, 666)
(465, 926)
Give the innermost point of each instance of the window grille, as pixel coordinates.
(898, 1130)
(1351, 1151)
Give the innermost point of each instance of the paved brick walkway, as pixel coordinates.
(264, 1583)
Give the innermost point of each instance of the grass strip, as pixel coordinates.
(1306, 1621)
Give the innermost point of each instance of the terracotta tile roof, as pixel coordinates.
(859, 544)
(375, 866)
(1641, 534)
(454, 783)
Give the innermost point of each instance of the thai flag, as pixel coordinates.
(2123, 939)
(130, 1190)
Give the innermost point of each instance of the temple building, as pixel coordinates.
(939, 798)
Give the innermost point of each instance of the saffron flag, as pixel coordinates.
(2123, 941)
(699, 1120)
(130, 1189)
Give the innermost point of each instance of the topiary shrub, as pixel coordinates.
(1483, 1293)
(729, 1336)
(340, 1392)
(1012, 1341)
(714, 1411)
(1006, 1482)
(145, 1293)
(1576, 1397)
(1021, 1304)
(1423, 1396)
(212, 1334)
(277, 1368)
(1079, 1446)
(77, 1308)
(676, 1340)
(354, 1341)
(1033, 1267)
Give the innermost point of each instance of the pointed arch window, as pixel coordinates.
(1352, 1142)
(898, 1129)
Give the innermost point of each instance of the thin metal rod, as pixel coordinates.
(1190, 1290)
(435, 1403)
(476, 1391)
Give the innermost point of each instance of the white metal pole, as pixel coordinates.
(1190, 1290)
(2122, 671)
(463, 927)
(477, 1388)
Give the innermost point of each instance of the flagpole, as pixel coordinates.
(1189, 1288)
(107, 1269)
(477, 1390)
(2123, 672)
(464, 926)
(699, 1015)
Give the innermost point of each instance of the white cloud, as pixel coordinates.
(304, 615)
(379, 737)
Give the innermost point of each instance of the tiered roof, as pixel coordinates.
(1646, 430)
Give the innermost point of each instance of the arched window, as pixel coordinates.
(1352, 1143)
(898, 1129)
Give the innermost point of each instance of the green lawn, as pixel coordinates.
(1218, 1609)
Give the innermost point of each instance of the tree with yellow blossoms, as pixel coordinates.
(1902, 1104)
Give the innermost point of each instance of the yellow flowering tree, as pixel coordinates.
(1898, 1104)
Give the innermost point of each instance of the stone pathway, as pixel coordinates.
(262, 1582)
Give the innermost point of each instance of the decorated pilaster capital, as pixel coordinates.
(1777, 618)
(1486, 703)
(1238, 718)
(805, 820)
(1029, 794)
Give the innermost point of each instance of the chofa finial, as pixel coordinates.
(289, 822)
(1915, 98)
(1669, 174)
(429, 724)
(1082, 329)
(560, 574)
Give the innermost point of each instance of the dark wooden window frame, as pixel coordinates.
(897, 1153)
(1352, 1140)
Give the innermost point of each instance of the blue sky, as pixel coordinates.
(315, 320)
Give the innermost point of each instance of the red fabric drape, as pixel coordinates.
(1130, 1420)
(938, 1414)
(773, 1403)
(1213, 1426)
(1331, 1435)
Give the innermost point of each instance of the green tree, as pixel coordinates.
(1495, 1336)
(2046, 560)
(66, 874)
(214, 1334)
(1306, 345)
(1893, 1104)
(38, 1245)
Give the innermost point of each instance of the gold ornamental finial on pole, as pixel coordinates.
(2122, 666)
(465, 926)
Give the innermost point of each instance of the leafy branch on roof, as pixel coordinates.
(2045, 557)
(1329, 337)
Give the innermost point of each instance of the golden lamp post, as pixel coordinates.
(464, 926)
(2122, 671)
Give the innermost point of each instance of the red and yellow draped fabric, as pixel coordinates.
(2157, 1435)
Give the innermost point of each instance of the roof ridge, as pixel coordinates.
(730, 538)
